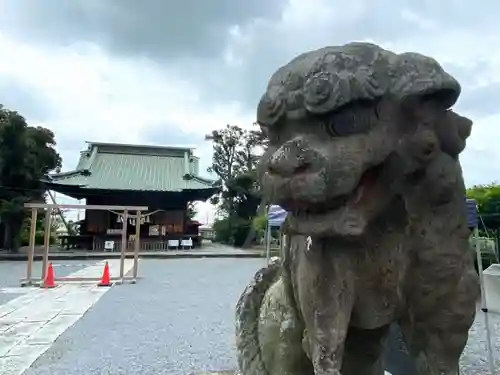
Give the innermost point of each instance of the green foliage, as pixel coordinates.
(222, 229)
(226, 143)
(488, 202)
(236, 152)
(191, 210)
(240, 229)
(260, 222)
(27, 154)
(486, 196)
(242, 190)
(231, 230)
(39, 238)
(39, 230)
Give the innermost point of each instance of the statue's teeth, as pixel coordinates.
(359, 194)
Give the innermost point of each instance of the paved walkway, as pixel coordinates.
(30, 323)
(207, 251)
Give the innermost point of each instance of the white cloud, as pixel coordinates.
(99, 98)
(94, 95)
(464, 51)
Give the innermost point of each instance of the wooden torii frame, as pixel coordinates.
(46, 241)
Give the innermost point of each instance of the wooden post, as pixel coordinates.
(46, 241)
(124, 243)
(49, 208)
(137, 242)
(31, 249)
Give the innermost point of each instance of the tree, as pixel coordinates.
(236, 152)
(191, 210)
(226, 144)
(39, 230)
(27, 154)
(260, 225)
(248, 154)
(487, 198)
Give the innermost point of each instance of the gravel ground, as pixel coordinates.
(179, 319)
(12, 272)
(475, 359)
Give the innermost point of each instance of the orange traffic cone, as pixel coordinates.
(105, 279)
(49, 281)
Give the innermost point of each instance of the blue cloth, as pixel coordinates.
(276, 216)
(472, 217)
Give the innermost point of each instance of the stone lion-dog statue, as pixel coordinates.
(363, 154)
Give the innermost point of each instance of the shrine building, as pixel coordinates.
(165, 179)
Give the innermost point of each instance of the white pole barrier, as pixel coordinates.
(268, 243)
(484, 306)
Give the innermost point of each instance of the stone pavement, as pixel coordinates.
(206, 251)
(29, 324)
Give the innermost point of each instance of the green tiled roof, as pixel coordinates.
(133, 167)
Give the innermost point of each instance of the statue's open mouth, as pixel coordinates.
(361, 193)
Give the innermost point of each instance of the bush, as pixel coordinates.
(222, 229)
(260, 224)
(232, 231)
(240, 231)
(39, 235)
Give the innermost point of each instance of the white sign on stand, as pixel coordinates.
(109, 245)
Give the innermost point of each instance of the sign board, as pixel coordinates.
(154, 230)
(109, 245)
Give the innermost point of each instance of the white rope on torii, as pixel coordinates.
(145, 218)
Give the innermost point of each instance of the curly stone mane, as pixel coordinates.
(325, 80)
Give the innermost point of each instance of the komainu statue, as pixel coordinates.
(363, 154)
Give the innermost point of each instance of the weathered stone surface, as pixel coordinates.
(363, 153)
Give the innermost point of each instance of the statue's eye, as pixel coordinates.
(353, 119)
(330, 127)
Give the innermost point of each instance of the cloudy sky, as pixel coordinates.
(167, 71)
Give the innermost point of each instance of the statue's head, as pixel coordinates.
(348, 128)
